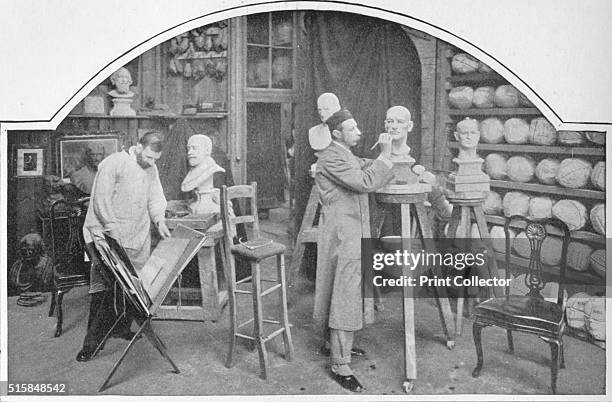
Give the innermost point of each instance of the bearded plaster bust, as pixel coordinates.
(121, 79)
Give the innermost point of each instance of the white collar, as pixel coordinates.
(132, 152)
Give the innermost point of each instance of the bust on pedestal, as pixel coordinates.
(408, 176)
(199, 179)
(122, 97)
(468, 181)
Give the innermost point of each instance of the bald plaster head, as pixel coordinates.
(398, 124)
(327, 104)
(199, 147)
(467, 133)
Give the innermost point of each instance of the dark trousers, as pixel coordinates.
(102, 316)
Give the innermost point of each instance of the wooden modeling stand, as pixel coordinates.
(308, 233)
(416, 195)
(464, 205)
(213, 298)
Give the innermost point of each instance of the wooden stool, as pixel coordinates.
(416, 199)
(463, 208)
(254, 251)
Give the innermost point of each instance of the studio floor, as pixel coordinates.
(199, 349)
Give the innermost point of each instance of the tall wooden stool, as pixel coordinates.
(463, 208)
(255, 250)
(416, 198)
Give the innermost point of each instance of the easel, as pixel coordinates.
(416, 196)
(213, 298)
(464, 205)
(144, 297)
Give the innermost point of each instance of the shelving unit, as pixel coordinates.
(538, 149)
(519, 111)
(450, 116)
(571, 276)
(203, 115)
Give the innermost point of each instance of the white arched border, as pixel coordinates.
(204, 19)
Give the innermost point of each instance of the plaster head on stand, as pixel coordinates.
(319, 136)
(122, 97)
(398, 123)
(467, 134)
(468, 181)
(199, 179)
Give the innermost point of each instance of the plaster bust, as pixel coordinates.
(200, 177)
(398, 124)
(319, 136)
(121, 79)
(467, 134)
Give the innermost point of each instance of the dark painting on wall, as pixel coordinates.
(79, 152)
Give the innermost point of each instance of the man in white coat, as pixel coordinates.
(126, 197)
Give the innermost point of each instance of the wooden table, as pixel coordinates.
(407, 196)
(214, 298)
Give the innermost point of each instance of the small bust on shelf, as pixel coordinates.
(468, 181)
(122, 97)
(199, 179)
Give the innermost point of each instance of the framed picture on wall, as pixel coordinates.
(83, 152)
(29, 161)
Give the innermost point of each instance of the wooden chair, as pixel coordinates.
(530, 313)
(254, 251)
(68, 251)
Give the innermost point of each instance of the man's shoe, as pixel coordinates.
(325, 351)
(85, 355)
(349, 382)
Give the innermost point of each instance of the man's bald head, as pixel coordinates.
(327, 104)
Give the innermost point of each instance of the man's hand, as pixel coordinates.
(384, 141)
(163, 229)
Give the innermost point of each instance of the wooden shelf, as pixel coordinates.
(206, 115)
(571, 276)
(286, 47)
(544, 188)
(480, 79)
(203, 55)
(496, 111)
(538, 149)
(582, 235)
(104, 116)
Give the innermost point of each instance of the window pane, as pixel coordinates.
(282, 68)
(258, 67)
(282, 29)
(258, 28)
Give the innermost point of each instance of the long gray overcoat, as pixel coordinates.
(343, 181)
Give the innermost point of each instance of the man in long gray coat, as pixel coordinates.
(126, 197)
(343, 181)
